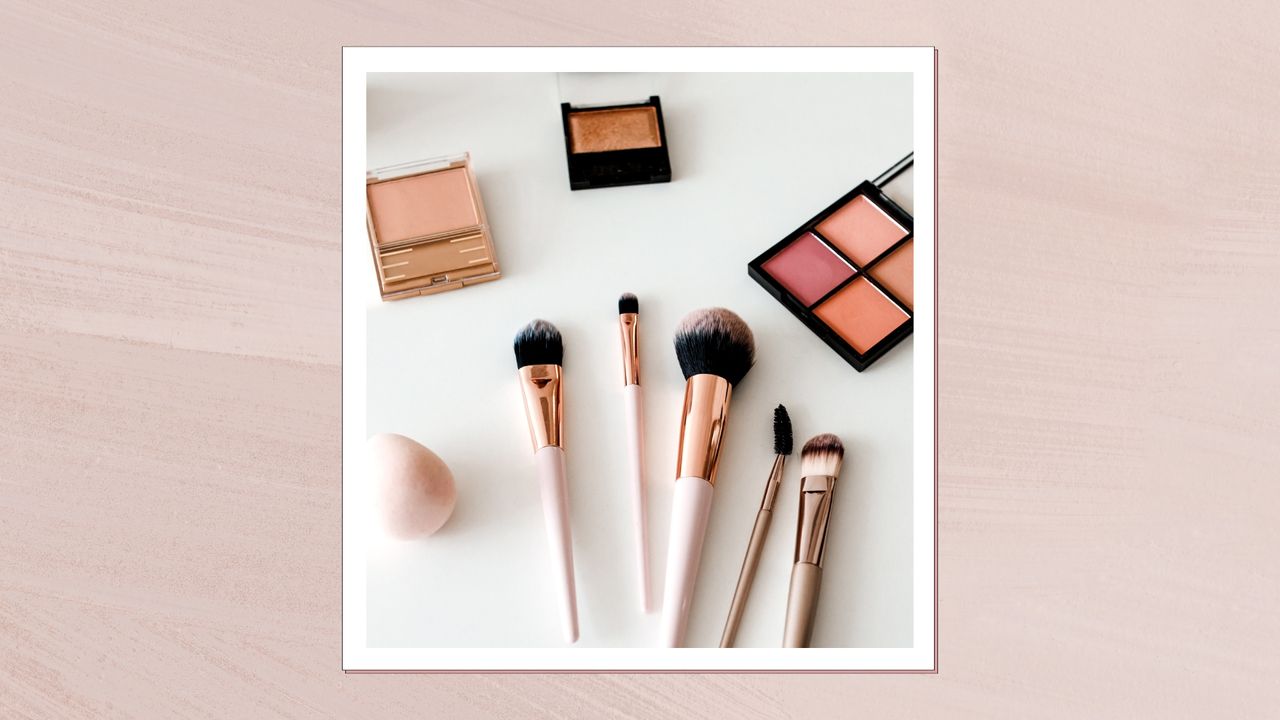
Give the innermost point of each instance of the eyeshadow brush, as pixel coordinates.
(716, 350)
(628, 326)
(764, 517)
(820, 461)
(539, 355)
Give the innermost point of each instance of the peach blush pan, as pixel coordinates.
(422, 205)
(861, 230)
(848, 272)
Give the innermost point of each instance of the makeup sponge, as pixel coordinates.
(413, 490)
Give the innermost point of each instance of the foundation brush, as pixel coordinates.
(764, 517)
(539, 356)
(820, 461)
(629, 329)
(716, 350)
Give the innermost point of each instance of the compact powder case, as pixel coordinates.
(427, 227)
(615, 145)
(848, 273)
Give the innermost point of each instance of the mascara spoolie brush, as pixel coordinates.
(764, 517)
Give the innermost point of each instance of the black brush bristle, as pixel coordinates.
(628, 303)
(715, 341)
(781, 431)
(538, 343)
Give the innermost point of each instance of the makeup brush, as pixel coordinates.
(715, 350)
(764, 517)
(819, 466)
(539, 354)
(628, 327)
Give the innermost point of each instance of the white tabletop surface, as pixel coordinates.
(753, 157)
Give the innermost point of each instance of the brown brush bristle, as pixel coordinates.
(822, 455)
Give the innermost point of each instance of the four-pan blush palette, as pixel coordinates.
(848, 272)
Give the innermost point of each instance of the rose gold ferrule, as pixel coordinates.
(543, 401)
(815, 512)
(775, 482)
(706, 410)
(627, 325)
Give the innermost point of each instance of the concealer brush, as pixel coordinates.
(716, 350)
(628, 327)
(820, 461)
(764, 517)
(539, 354)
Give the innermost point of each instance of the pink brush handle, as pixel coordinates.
(690, 509)
(555, 506)
(635, 462)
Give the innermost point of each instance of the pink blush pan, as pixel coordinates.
(808, 269)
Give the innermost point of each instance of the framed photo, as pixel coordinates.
(707, 233)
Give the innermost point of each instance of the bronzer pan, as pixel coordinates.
(615, 145)
(848, 273)
(614, 132)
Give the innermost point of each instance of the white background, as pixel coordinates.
(754, 155)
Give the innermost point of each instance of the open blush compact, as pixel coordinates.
(848, 273)
(427, 227)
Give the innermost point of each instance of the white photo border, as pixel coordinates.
(356, 63)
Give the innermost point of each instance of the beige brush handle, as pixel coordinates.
(690, 507)
(635, 462)
(802, 605)
(746, 577)
(555, 509)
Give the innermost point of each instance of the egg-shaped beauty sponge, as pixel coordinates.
(412, 489)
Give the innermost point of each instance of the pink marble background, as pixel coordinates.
(169, 380)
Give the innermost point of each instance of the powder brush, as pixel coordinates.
(715, 350)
